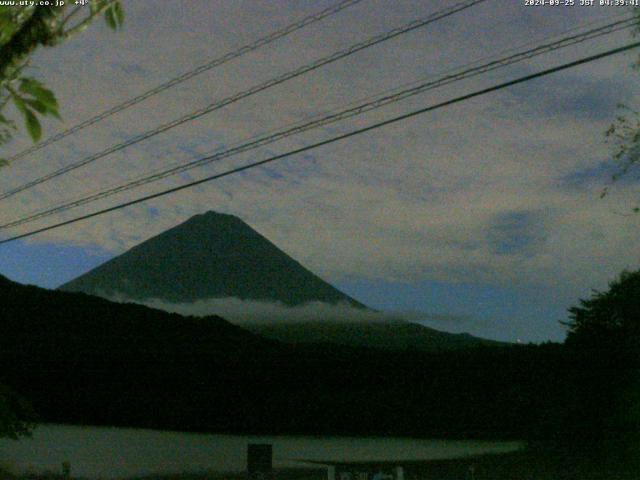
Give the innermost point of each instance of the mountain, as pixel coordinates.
(215, 255)
(212, 255)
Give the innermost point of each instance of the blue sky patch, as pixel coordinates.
(46, 264)
(598, 176)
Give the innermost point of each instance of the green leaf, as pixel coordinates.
(31, 83)
(45, 100)
(114, 15)
(43, 108)
(119, 13)
(19, 103)
(110, 18)
(54, 112)
(97, 5)
(3, 162)
(37, 106)
(33, 125)
(36, 89)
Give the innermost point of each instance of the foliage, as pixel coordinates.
(611, 318)
(16, 415)
(624, 133)
(30, 98)
(22, 30)
(604, 333)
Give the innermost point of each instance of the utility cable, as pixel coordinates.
(344, 136)
(373, 104)
(272, 37)
(246, 93)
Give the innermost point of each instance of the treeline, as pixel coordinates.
(484, 393)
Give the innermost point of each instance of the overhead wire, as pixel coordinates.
(372, 104)
(261, 42)
(377, 39)
(334, 139)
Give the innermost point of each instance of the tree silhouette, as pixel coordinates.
(17, 418)
(604, 334)
(609, 319)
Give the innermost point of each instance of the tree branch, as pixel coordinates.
(80, 27)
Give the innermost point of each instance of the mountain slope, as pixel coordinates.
(396, 335)
(211, 255)
(44, 322)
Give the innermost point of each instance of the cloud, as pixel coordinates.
(517, 232)
(577, 97)
(254, 311)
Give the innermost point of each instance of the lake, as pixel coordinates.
(120, 452)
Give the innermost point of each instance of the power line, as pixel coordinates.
(359, 131)
(367, 106)
(374, 103)
(272, 37)
(246, 93)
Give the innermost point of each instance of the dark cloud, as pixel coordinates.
(596, 100)
(516, 233)
(580, 98)
(596, 177)
(589, 177)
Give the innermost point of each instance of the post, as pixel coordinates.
(331, 472)
(399, 473)
(66, 469)
(259, 461)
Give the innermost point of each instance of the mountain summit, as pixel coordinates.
(212, 255)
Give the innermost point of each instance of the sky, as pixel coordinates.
(483, 217)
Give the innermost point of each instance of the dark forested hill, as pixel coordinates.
(41, 322)
(82, 359)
